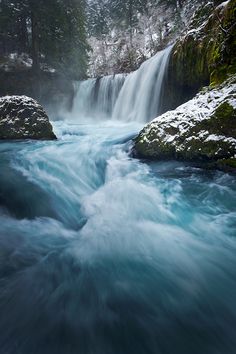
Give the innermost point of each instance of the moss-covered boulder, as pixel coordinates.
(201, 130)
(205, 54)
(21, 117)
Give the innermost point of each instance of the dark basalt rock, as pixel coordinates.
(22, 117)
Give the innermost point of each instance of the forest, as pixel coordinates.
(59, 34)
(117, 176)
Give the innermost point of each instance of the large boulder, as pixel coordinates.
(22, 117)
(203, 129)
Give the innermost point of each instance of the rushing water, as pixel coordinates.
(134, 97)
(96, 98)
(104, 254)
(141, 96)
(101, 253)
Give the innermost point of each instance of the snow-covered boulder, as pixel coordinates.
(203, 129)
(22, 117)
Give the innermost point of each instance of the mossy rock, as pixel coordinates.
(227, 164)
(222, 122)
(203, 56)
(198, 150)
(22, 117)
(202, 131)
(156, 150)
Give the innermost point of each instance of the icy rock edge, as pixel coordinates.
(22, 117)
(201, 130)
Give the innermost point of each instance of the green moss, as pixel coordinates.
(222, 122)
(223, 61)
(224, 111)
(207, 56)
(227, 164)
(155, 149)
(218, 76)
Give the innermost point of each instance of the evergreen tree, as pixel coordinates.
(98, 17)
(125, 14)
(13, 29)
(53, 32)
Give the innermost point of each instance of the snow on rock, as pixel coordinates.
(223, 4)
(22, 117)
(204, 128)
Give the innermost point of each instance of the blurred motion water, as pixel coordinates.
(101, 253)
(137, 97)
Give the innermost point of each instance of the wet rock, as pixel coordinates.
(22, 117)
(203, 129)
(204, 55)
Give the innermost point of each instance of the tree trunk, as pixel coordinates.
(23, 35)
(179, 2)
(35, 42)
(130, 14)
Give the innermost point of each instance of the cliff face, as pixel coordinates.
(204, 128)
(205, 55)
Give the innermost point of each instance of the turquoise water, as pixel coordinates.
(101, 253)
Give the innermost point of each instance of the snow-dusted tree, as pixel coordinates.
(125, 14)
(52, 31)
(98, 17)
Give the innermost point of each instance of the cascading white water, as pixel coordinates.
(140, 97)
(96, 98)
(84, 94)
(135, 97)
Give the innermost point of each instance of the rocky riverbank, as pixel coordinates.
(201, 130)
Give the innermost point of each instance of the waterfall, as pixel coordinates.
(96, 98)
(140, 97)
(134, 97)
